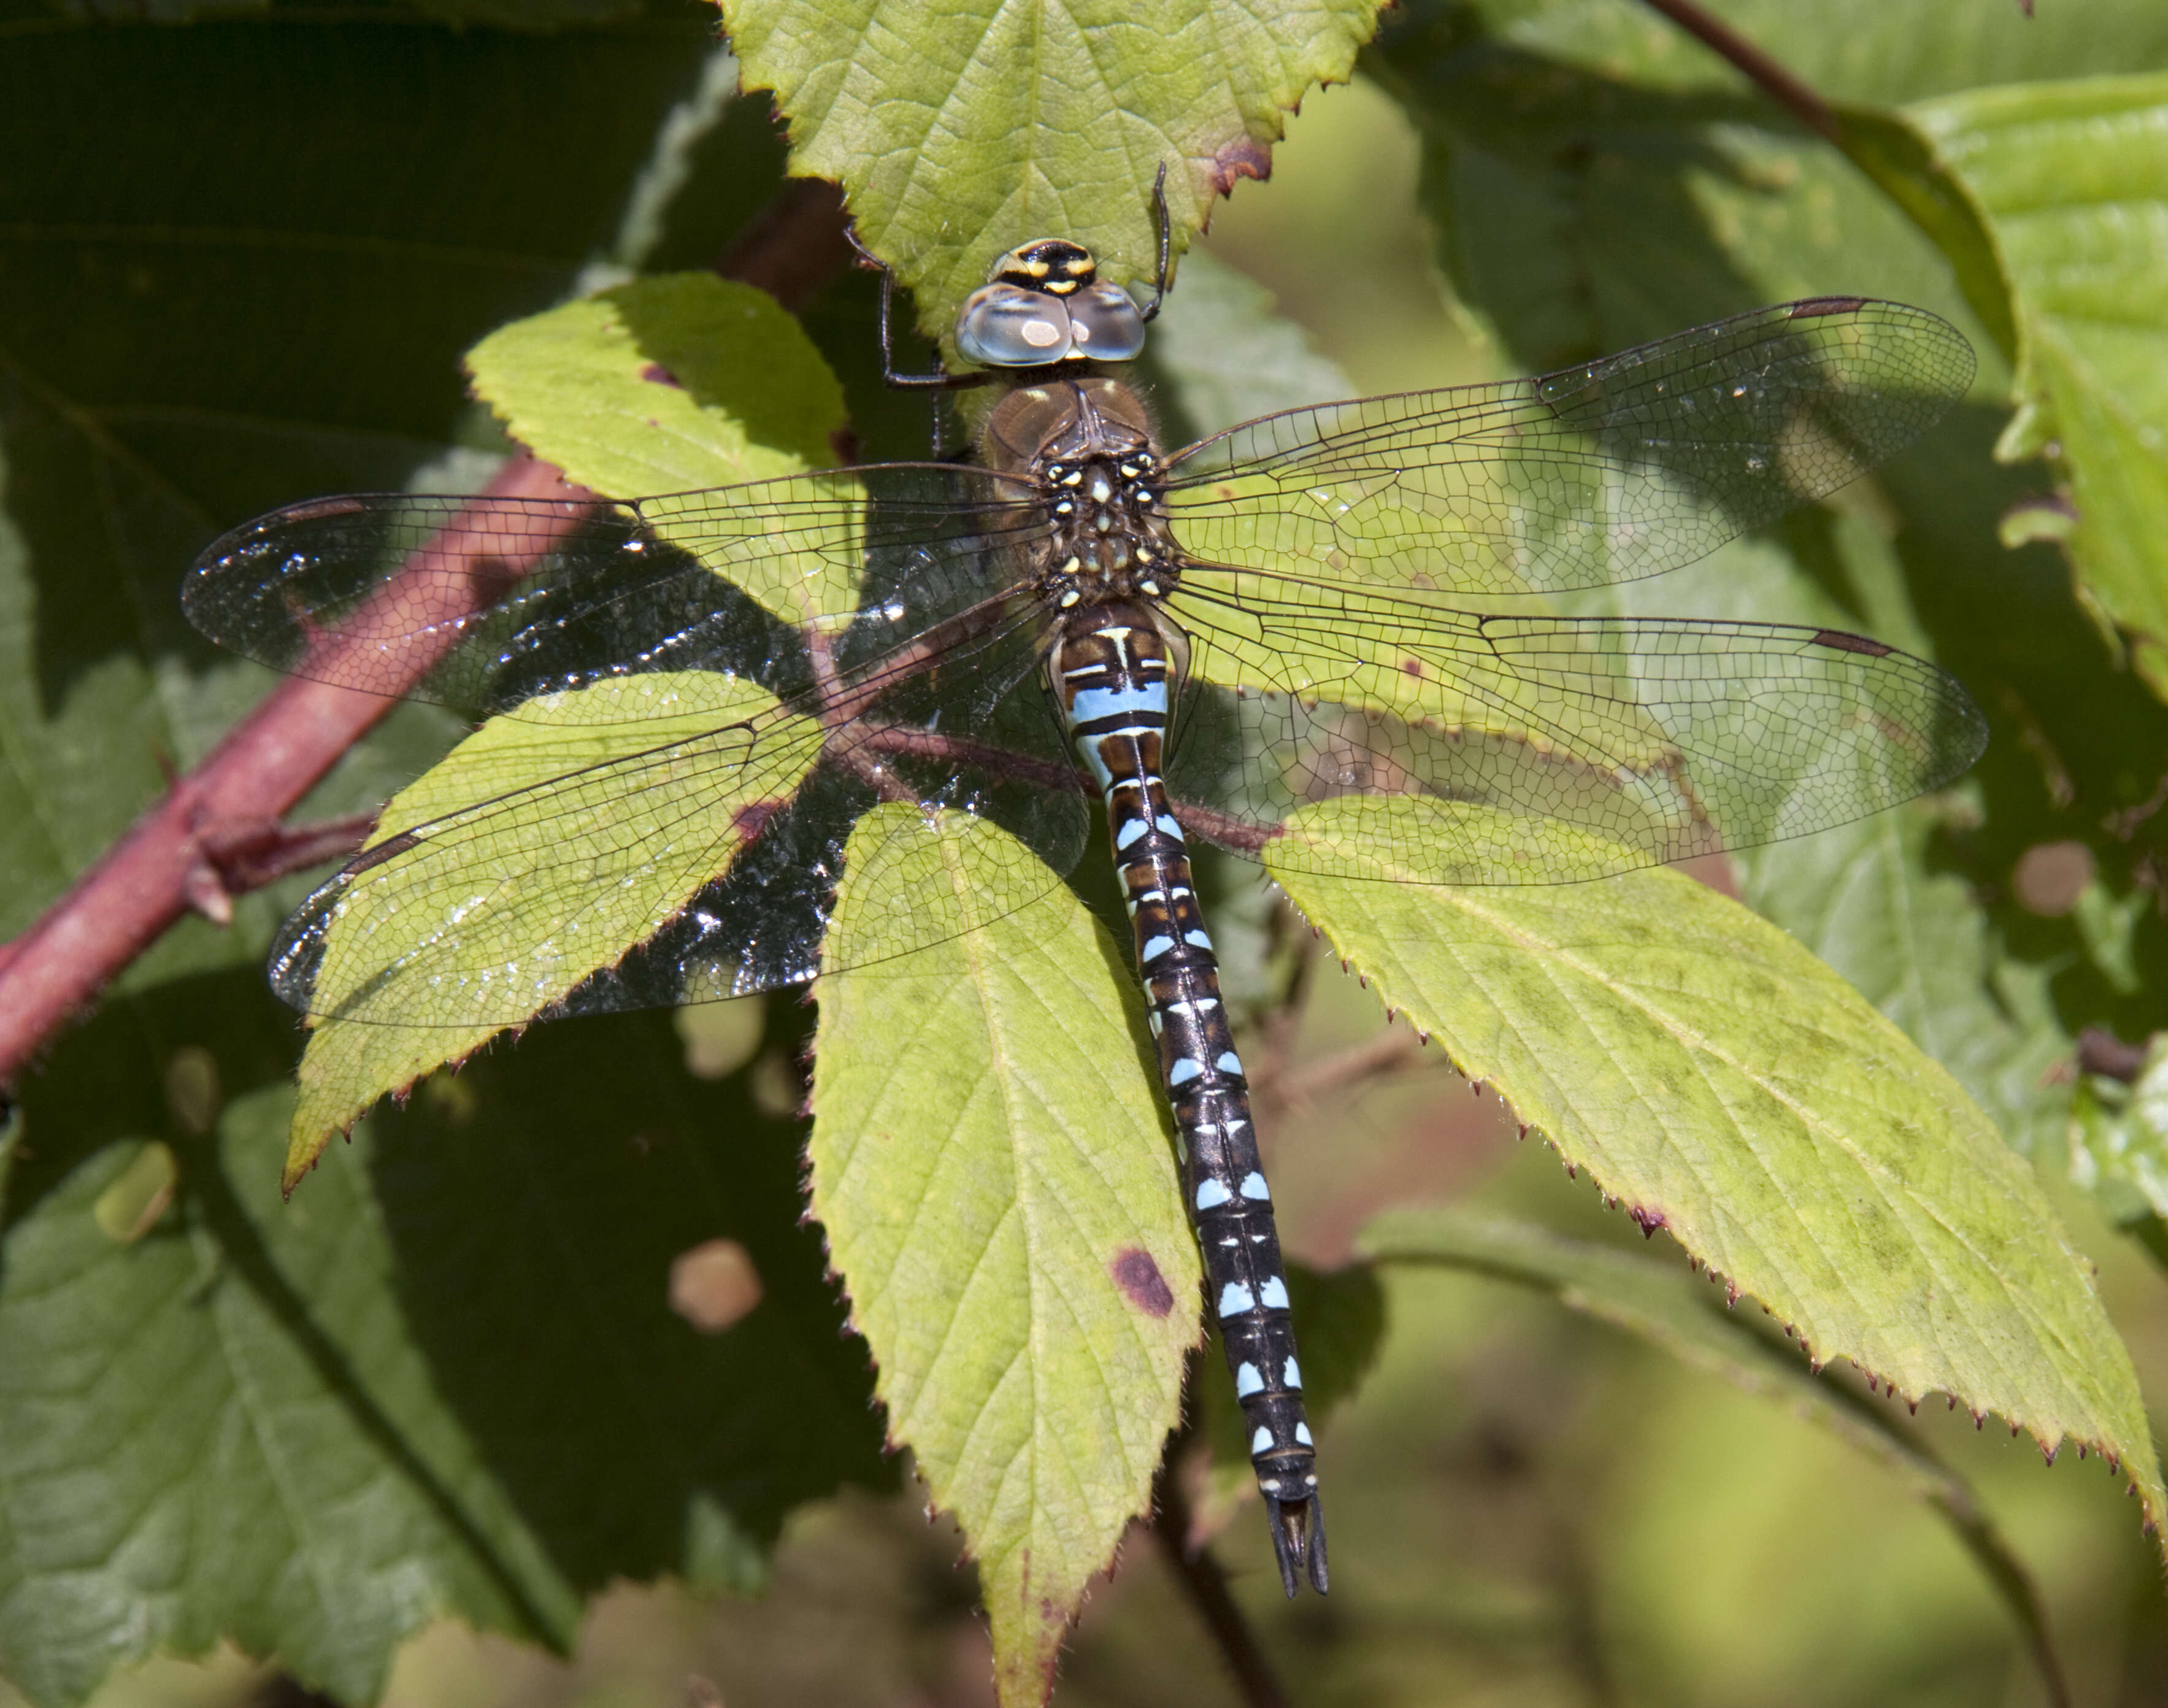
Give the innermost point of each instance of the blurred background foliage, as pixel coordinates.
(508, 1337)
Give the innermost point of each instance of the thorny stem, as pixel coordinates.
(1202, 1579)
(167, 863)
(268, 762)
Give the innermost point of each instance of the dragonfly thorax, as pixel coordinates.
(1088, 445)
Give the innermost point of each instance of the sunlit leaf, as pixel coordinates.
(516, 855)
(1914, 942)
(672, 384)
(1721, 1083)
(992, 1167)
(1598, 176)
(960, 135)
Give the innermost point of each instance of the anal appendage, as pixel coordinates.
(1298, 1528)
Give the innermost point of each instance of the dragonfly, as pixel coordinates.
(1355, 599)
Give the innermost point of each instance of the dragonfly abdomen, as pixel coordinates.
(1111, 668)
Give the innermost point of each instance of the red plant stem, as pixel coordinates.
(1774, 79)
(172, 859)
(165, 863)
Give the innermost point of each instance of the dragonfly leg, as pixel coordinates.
(939, 380)
(1149, 312)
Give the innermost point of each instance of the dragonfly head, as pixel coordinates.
(1053, 265)
(1044, 304)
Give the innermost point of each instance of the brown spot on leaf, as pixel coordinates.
(1138, 1276)
(660, 375)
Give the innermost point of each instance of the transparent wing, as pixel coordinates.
(1660, 738)
(591, 627)
(1608, 472)
(713, 850)
(484, 602)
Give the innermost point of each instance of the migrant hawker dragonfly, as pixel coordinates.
(1346, 599)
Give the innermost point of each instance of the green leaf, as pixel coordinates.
(670, 385)
(2072, 759)
(1599, 178)
(1722, 1083)
(1874, 898)
(517, 845)
(1581, 214)
(663, 385)
(1916, 943)
(1905, 167)
(993, 1171)
(449, 1381)
(957, 136)
(1884, 51)
(2073, 177)
(1654, 1300)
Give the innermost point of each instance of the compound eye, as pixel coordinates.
(1106, 324)
(1004, 326)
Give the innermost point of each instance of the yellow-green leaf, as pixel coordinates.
(994, 1174)
(961, 132)
(1724, 1084)
(671, 385)
(518, 867)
